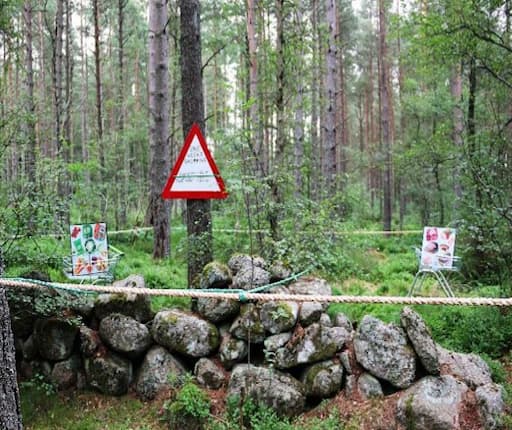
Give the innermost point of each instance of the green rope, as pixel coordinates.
(281, 282)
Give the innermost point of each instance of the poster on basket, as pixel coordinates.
(89, 248)
(438, 247)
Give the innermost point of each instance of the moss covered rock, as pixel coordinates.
(185, 333)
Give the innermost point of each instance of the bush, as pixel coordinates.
(190, 408)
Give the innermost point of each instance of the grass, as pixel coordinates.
(86, 411)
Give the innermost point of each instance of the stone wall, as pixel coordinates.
(284, 354)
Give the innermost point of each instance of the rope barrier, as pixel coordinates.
(243, 296)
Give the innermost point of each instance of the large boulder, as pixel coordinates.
(158, 368)
(491, 405)
(209, 374)
(240, 261)
(109, 373)
(275, 389)
(310, 312)
(309, 345)
(217, 310)
(383, 350)
(249, 277)
(125, 335)
(90, 341)
(308, 285)
(322, 379)
(137, 306)
(470, 368)
(215, 275)
(54, 338)
(369, 386)
(232, 351)
(421, 340)
(433, 403)
(279, 317)
(185, 333)
(247, 326)
(65, 373)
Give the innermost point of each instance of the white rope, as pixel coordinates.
(243, 296)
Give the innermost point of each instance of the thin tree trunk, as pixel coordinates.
(385, 118)
(298, 129)
(329, 123)
(122, 160)
(85, 91)
(159, 124)
(457, 130)
(97, 64)
(30, 107)
(199, 219)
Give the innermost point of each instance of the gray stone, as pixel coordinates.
(433, 403)
(310, 286)
(232, 351)
(65, 373)
(322, 380)
(215, 275)
(158, 368)
(54, 338)
(137, 306)
(125, 335)
(247, 326)
(421, 339)
(251, 277)
(109, 373)
(185, 333)
(273, 343)
(369, 386)
(310, 312)
(240, 261)
(472, 369)
(209, 374)
(350, 386)
(279, 317)
(275, 389)
(341, 320)
(325, 320)
(217, 310)
(279, 271)
(309, 345)
(491, 405)
(89, 341)
(382, 349)
(29, 349)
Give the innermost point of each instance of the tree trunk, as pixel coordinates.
(10, 407)
(199, 221)
(122, 160)
(329, 167)
(159, 124)
(30, 108)
(457, 131)
(97, 66)
(385, 118)
(57, 77)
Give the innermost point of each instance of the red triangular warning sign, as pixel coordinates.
(195, 174)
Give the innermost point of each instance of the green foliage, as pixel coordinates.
(482, 330)
(188, 409)
(40, 383)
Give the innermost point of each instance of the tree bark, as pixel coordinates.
(199, 221)
(385, 118)
(329, 124)
(159, 124)
(97, 66)
(457, 130)
(30, 107)
(10, 406)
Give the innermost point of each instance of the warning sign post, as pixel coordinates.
(195, 174)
